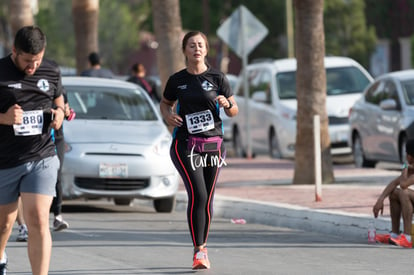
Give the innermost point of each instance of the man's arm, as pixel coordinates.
(14, 115)
(379, 205)
(58, 113)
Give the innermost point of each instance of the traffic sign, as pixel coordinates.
(242, 31)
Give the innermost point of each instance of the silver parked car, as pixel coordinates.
(117, 146)
(382, 120)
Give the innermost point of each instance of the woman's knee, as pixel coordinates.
(201, 201)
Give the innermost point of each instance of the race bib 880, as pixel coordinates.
(32, 124)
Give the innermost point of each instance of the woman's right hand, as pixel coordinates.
(175, 120)
(171, 118)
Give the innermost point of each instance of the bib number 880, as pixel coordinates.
(33, 119)
(32, 124)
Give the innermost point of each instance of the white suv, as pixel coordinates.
(273, 105)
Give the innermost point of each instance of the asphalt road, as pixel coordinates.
(106, 239)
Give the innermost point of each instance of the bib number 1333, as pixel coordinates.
(200, 122)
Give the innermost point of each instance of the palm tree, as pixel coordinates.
(21, 14)
(311, 92)
(85, 19)
(168, 33)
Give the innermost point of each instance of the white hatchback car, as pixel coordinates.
(117, 147)
(272, 105)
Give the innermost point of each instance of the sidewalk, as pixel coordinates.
(264, 179)
(260, 190)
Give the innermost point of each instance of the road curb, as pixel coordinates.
(339, 223)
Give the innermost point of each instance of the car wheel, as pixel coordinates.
(274, 150)
(237, 144)
(122, 201)
(165, 205)
(358, 153)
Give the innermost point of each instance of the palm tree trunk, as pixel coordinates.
(311, 92)
(168, 33)
(21, 14)
(85, 19)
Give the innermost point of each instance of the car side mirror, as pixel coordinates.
(260, 96)
(388, 104)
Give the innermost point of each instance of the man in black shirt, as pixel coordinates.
(30, 86)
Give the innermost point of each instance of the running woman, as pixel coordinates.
(197, 150)
(29, 87)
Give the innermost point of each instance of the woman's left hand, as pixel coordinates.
(222, 101)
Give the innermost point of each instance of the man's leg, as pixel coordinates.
(395, 211)
(20, 218)
(36, 214)
(406, 201)
(406, 208)
(9, 194)
(8, 213)
(57, 200)
(37, 190)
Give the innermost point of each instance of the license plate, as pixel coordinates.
(107, 170)
(340, 137)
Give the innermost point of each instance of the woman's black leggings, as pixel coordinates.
(199, 173)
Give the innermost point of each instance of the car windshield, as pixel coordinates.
(109, 103)
(339, 81)
(408, 91)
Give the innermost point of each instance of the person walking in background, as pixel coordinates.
(22, 234)
(199, 91)
(96, 69)
(30, 86)
(139, 77)
(58, 137)
(401, 203)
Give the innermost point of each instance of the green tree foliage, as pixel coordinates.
(379, 15)
(55, 19)
(270, 12)
(5, 32)
(345, 25)
(346, 32)
(412, 49)
(119, 25)
(121, 21)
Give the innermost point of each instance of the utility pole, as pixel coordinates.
(289, 29)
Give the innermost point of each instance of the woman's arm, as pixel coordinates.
(229, 105)
(171, 118)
